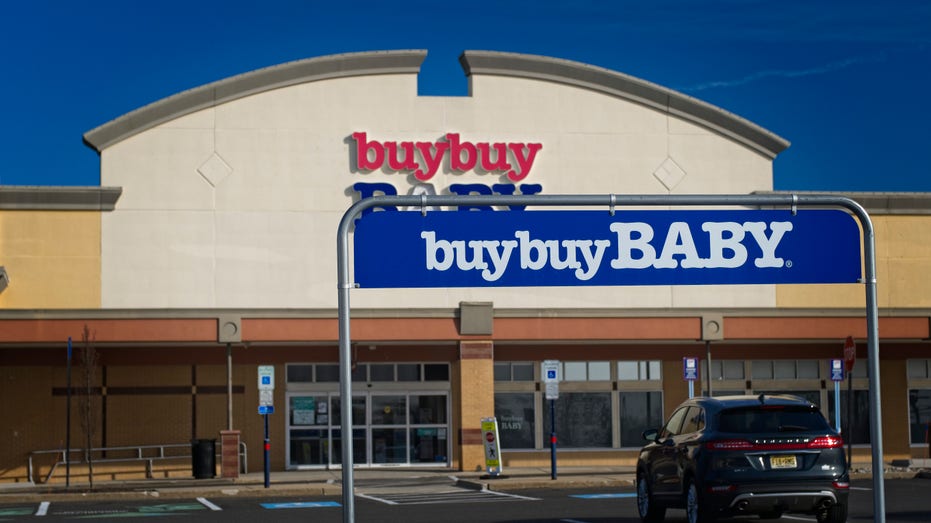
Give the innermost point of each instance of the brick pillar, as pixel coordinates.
(229, 454)
(476, 395)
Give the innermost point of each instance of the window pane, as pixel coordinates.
(428, 445)
(389, 410)
(639, 411)
(360, 373)
(733, 369)
(627, 371)
(655, 369)
(761, 369)
(389, 446)
(784, 369)
(858, 431)
(808, 369)
(436, 372)
(303, 410)
(522, 371)
(599, 371)
(574, 371)
(358, 446)
(408, 372)
(428, 409)
(327, 373)
(919, 415)
(358, 411)
(582, 419)
(917, 368)
(309, 447)
(717, 370)
(502, 372)
(514, 413)
(300, 373)
(382, 372)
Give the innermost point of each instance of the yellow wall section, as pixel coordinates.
(52, 258)
(903, 255)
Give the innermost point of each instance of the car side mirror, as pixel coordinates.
(651, 435)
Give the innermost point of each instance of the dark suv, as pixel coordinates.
(735, 455)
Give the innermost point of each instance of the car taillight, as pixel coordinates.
(729, 444)
(841, 484)
(821, 442)
(826, 442)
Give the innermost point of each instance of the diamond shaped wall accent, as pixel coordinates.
(215, 170)
(669, 173)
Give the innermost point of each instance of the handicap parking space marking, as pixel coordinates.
(605, 496)
(165, 509)
(300, 504)
(6, 512)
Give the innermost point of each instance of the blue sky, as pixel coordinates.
(847, 82)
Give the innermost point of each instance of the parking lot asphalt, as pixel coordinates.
(329, 483)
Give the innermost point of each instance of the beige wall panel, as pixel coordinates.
(52, 258)
(158, 259)
(158, 169)
(271, 260)
(713, 165)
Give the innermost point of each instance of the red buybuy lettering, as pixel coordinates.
(424, 159)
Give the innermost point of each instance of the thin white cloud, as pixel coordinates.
(788, 73)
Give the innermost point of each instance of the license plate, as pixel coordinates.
(782, 462)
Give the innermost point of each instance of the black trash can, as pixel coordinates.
(203, 458)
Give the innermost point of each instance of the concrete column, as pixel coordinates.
(476, 398)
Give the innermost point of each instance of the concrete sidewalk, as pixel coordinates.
(329, 483)
(318, 483)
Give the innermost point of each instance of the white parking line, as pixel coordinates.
(572, 521)
(797, 518)
(208, 504)
(43, 508)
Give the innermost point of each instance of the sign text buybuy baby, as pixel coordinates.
(556, 248)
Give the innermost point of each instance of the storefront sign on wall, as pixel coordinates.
(574, 248)
(512, 162)
(423, 159)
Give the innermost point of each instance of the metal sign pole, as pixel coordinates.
(609, 201)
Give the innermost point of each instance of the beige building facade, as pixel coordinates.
(211, 242)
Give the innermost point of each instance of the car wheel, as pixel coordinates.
(835, 514)
(649, 511)
(696, 510)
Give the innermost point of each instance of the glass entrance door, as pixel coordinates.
(400, 428)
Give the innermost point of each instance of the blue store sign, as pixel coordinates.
(590, 248)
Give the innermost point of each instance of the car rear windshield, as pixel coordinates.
(771, 418)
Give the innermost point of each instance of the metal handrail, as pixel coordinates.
(147, 454)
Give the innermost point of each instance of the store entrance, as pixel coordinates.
(389, 428)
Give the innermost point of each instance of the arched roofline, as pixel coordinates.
(627, 87)
(408, 62)
(253, 82)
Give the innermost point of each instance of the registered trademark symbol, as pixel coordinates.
(789, 263)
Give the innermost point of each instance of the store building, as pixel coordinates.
(211, 240)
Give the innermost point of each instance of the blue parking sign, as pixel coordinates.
(690, 368)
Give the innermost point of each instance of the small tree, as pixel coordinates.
(88, 403)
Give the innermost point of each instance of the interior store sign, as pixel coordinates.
(585, 248)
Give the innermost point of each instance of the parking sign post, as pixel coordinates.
(551, 382)
(690, 373)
